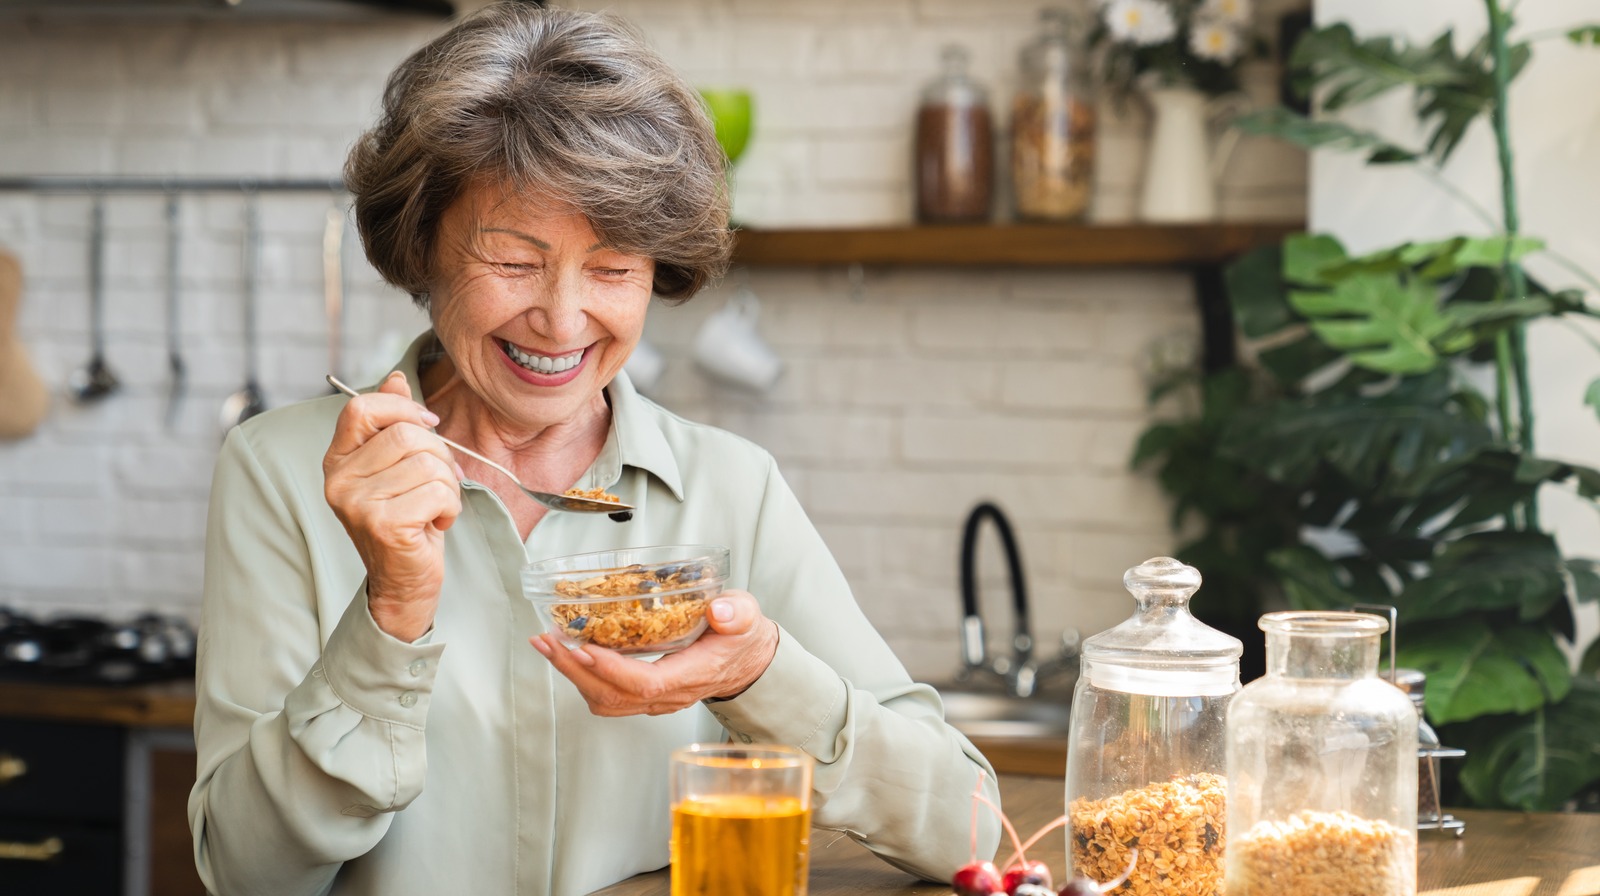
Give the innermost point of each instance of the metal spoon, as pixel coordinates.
(248, 401)
(176, 373)
(619, 512)
(94, 380)
(333, 284)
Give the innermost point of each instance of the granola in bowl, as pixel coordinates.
(635, 600)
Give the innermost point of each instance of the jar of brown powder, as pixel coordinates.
(954, 146)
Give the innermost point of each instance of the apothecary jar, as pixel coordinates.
(1322, 766)
(1145, 758)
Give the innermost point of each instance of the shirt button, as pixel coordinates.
(408, 699)
(416, 667)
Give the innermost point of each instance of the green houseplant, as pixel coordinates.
(1352, 459)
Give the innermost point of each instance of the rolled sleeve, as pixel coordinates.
(377, 675)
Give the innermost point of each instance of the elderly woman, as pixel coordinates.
(371, 717)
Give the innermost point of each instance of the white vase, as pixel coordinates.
(1181, 165)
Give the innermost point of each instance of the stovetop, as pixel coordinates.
(84, 649)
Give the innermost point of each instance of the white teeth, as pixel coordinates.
(543, 363)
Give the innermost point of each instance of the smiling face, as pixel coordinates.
(535, 314)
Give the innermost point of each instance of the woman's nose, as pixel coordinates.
(558, 311)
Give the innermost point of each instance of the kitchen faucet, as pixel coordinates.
(1020, 673)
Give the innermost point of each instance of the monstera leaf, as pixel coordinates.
(1590, 664)
(1356, 70)
(1419, 422)
(1435, 260)
(1475, 670)
(1585, 580)
(1307, 258)
(1310, 133)
(1313, 582)
(1522, 572)
(1450, 90)
(1385, 323)
(1591, 396)
(1536, 760)
(1384, 311)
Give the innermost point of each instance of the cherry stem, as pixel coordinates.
(1133, 858)
(977, 792)
(1022, 850)
(1015, 840)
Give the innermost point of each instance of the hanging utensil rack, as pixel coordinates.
(172, 187)
(78, 184)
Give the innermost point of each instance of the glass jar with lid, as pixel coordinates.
(1322, 765)
(1052, 127)
(1146, 754)
(954, 145)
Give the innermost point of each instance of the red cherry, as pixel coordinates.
(1080, 886)
(1036, 873)
(977, 879)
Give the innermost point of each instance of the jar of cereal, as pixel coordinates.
(1145, 758)
(1052, 127)
(1322, 766)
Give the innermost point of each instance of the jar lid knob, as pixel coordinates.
(1162, 575)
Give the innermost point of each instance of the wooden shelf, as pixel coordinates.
(168, 704)
(1035, 245)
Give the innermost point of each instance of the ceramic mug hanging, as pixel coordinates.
(1182, 167)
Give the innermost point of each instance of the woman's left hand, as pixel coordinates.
(722, 663)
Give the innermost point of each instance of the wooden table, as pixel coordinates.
(1502, 854)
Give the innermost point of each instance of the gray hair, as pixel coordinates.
(571, 106)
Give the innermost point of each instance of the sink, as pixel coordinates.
(994, 714)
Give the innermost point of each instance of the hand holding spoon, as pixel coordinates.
(572, 503)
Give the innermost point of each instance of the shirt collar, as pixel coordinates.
(635, 439)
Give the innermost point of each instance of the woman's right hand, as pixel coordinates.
(396, 489)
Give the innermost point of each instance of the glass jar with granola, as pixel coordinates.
(1322, 766)
(1145, 758)
(1052, 127)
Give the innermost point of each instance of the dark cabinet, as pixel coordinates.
(61, 798)
(100, 809)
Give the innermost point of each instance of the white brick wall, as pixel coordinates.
(908, 397)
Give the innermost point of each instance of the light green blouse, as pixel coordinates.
(336, 759)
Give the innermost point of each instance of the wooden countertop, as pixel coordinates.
(1501, 854)
(167, 704)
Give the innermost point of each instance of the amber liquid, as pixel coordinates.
(739, 845)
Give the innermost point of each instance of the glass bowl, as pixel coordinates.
(635, 601)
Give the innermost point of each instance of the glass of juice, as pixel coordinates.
(741, 820)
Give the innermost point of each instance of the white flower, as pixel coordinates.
(1215, 41)
(1234, 12)
(1142, 22)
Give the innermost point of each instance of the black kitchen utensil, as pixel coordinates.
(94, 380)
